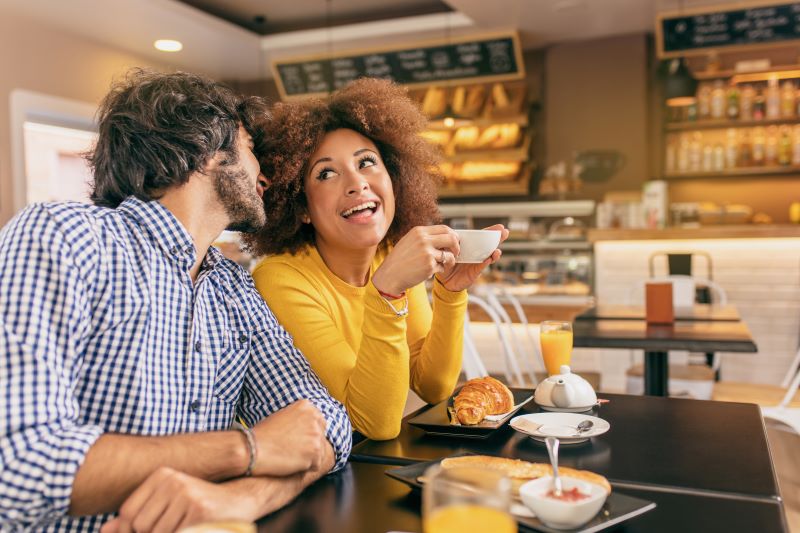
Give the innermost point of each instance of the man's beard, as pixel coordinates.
(239, 198)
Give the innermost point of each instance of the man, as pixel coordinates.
(128, 345)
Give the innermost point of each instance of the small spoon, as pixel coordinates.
(552, 451)
(585, 425)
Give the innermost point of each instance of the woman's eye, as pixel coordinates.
(367, 162)
(325, 174)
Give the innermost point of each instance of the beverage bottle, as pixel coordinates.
(773, 100)
(785, 148)
(704, 101)
(796, 145)
(683, 154)
(771, 151)
(732, 110)
(759, 106)
(746, 100)
(708, 158)
(731, 149)
(787, 99)
(696, 152)
(719, 157)
(718, 100)
(745, 150)
(759, 146)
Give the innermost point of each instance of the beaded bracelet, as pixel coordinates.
(251, 446)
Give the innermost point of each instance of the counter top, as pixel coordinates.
(704, 232)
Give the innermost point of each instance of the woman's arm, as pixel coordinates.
(372, 381)
(436, 340)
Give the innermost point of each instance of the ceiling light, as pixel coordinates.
(679, 86)
(168, 45)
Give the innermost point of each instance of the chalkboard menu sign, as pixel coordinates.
(692, 34)
(492, 58)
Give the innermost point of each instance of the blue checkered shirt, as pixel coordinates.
(103, 330)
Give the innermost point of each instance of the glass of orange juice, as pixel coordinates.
(466, 500)
(556, 341)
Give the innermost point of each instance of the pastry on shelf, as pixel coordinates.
(476, 170)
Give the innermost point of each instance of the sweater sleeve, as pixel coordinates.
(371, 382)
(436, 340)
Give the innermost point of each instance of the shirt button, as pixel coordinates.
(194, 406)
(197, 346)
(189, 250)
(242, 338)
(175, 251)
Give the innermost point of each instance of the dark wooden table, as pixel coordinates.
(657, 340)
(716, 448)
(361, 498)
(702, 312)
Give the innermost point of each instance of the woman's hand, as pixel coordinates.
(421, 253)
(457, 277)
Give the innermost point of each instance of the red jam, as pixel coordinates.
(572, 495)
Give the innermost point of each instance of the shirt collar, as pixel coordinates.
(166, 230)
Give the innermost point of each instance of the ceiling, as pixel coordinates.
(223, 38)
(267, 18)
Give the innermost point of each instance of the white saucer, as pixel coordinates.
(559, 425)
(555, 409)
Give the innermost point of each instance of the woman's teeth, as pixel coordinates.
(360, 207)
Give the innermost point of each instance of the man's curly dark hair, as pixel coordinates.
(378, 109)
(156, 129)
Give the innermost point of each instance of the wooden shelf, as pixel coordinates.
(724, 124)
(516, 185)
(521, 153)
(521, 120)
(703, 75)
(739, 172)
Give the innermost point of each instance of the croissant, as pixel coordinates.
(480, 397)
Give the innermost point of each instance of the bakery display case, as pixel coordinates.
(484, 133)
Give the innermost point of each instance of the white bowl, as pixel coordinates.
(559, 514)
(477, 244)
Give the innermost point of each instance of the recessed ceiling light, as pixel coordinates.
(168, 45)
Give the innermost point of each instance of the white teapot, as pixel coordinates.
(565, 392)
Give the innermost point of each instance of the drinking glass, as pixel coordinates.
(556, 340)
(466, 500)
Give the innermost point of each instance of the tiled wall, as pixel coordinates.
(760, 276)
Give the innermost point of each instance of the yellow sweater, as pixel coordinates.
(365, 355)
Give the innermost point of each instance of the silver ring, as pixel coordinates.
(442, 258)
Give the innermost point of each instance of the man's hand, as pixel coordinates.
(169, 500)
(291, 440)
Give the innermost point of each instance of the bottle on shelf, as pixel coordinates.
(771, 150)
(696, 152)
(745, 150)
(719, 158)
(787, 99)
(731, 149)
(718, 100)
(708, 158)
(773, 98)
(759, 146)
(704, 101)
(785, 147)
(796, 145)
(759, 105)
(683, 153)
(746, 100)
(732, 110)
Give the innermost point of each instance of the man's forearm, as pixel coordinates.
(117, 464)
(268, 494)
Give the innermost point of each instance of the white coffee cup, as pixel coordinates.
(477, 244)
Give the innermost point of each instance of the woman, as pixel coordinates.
(349, 207)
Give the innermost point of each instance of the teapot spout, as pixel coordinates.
(562, 395)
